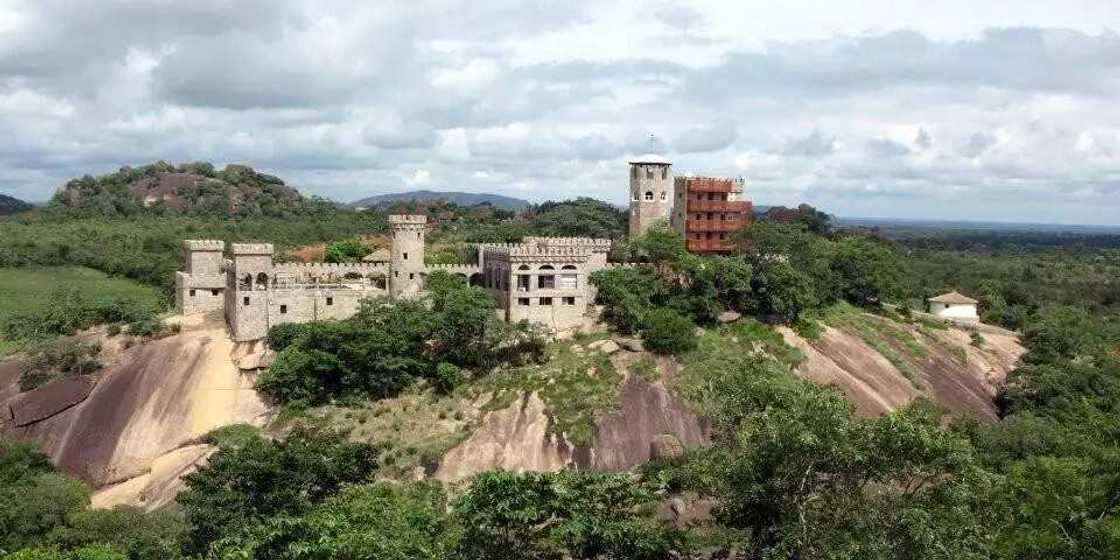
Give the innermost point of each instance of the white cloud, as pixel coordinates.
(870, 108)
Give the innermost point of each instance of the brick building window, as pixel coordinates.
(546, 301)
(569, 301)
(522, 301)
(283, 309)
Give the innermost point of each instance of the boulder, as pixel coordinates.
(257, 360)
(630, 344)
(728, 317)
(665, 446)
(608, 347)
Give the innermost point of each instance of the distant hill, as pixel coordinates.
(193, 188)
(462, 198)
(10, 205)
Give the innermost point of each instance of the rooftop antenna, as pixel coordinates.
(652, 143)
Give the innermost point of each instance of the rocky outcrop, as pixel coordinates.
(161, 397)
(520, 438)
(960, 377)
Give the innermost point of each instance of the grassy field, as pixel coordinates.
(28, 289)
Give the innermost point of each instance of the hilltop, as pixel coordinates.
(11, 205)
(191, 189)
(460, 198)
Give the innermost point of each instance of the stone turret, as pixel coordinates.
(200, 287)
(406, 254)
(247, 298)
(651, 184)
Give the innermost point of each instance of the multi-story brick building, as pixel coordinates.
(708, 211)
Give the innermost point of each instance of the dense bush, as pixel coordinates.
(68, 312)
(668, 332)
(346, 251)
(392, 342)
(58, 358)
(262, 478)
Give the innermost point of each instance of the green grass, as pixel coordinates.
(29, 289)
(646, 368)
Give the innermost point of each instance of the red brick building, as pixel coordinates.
(708, 211)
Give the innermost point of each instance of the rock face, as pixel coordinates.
(954, 374)
(161, 397)
(728, 317)
(518, 438)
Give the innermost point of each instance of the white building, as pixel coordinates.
(954, 306)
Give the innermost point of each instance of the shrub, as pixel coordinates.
(63, 357)
(667, 332)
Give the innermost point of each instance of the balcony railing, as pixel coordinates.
(715, 225)
(710, 185)
(719, 206)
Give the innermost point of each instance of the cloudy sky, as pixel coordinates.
(1000, 110)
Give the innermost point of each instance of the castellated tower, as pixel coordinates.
(200, 287)
(247, 290)
(406, 255)
(651, 184)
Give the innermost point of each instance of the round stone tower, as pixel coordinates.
(651, 185)
(406, 255)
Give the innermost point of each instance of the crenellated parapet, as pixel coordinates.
(204, 245)
(408, 219)
(466, 269)
(525, 253)
(331, 268)
(595, 245)
(252, 249)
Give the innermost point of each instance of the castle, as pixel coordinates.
(542, 279)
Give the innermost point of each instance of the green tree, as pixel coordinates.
(868, 272)
(543, 516)
(346, 251)
(33, 506)
(386, 521)
(264, 478)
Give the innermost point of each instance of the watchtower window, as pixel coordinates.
(406, 256)
(649, 195)
(214, 292)
(330, 301)
(546, 301)
(245, 301)
(283, 309)
(665, 172)
(649, 173)
(192, 293)
(662, 195)
(411, 275)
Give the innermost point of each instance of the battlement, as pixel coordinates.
(531, 251)
(342, 268)
(408, 220)
(604, 244)
(204, 245)
(252, 249)
(459, 267)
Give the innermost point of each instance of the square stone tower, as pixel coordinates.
(651, 185)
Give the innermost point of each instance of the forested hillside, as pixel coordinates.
(776, 466)
(10, 205)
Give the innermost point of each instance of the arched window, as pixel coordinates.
(523, 267)
(262, 281)
(649, 173)
(568, 267)
(649, 195)
(546, 281)
(662, 195)
(246, 282)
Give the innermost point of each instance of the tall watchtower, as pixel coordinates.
(651, 182)
(406, 254)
